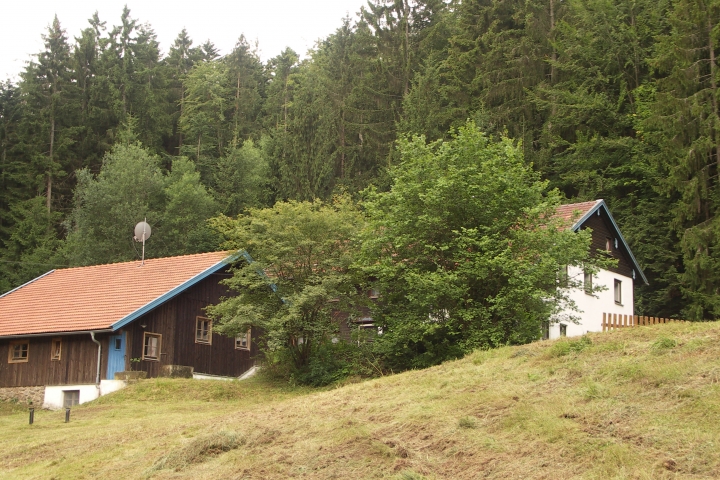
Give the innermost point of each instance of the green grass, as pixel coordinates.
(641, 403)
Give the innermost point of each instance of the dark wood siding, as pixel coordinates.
(603, 229)
(77, 364)
(175, 321)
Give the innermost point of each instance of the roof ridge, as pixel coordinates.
(228, 252)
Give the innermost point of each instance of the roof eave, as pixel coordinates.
(56, 334)
(601, 204)
(175, 291)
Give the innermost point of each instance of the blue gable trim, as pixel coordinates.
(175, 291)
(595, 211)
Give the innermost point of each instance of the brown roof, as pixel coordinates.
(96, 297)
(573, 212)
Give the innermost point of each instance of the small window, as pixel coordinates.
(545, 330)
(563, 276)
(203, 330)
(608, 244)
(242, 342)
(618, 292)
(374, 294)
(56, 349)
(587, 282)
(151, 346)
(563, 330)
(118, 344)
(71, 398)
(19, 351)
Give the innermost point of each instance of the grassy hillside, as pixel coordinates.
(642, 403)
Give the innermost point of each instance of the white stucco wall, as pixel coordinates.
(54, 395)
(592, 307)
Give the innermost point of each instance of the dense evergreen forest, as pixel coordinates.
(613, 99)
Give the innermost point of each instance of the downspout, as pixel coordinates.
(97, 377)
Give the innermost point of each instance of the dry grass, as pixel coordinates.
(642, 403)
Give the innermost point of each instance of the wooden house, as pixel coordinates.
(618, 283)
(65, 334)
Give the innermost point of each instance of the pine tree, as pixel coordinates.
(48, 87)
(685, 128)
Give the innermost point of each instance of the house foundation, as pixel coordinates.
(34, 395)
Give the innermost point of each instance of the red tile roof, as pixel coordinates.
(573, 212)
(94, 298)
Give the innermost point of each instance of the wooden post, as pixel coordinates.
(604, 325)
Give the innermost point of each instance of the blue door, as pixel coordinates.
(116, 355)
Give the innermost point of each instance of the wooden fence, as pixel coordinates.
(612, 321)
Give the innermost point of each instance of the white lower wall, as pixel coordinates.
(592, 307)
(55, 394)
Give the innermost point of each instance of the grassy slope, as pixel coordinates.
(643, 403)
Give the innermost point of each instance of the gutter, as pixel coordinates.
(54, 334)
(97, 377)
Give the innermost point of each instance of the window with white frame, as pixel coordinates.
(151, 346)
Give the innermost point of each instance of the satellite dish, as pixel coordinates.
(142, 232)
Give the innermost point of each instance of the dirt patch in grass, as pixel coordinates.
(199, 450)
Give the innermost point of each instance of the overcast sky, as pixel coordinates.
(276, 24)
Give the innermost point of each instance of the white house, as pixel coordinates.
(617, 296)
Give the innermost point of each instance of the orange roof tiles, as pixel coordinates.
(96, 297)
(573, 212)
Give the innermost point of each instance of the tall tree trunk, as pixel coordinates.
(237, 111)
(342, 144)
(48, 198)
(406, 72)
(713, 96)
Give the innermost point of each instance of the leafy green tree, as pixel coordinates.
(129, 188)
(465, 250)
(300, 274)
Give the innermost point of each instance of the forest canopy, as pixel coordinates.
(604, 99)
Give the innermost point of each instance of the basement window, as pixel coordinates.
(71, 398)
(242, 342)
(203, 330)
(618, 292)
(19, 351)
(56, 349)
(151, 346)
(563, 330)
